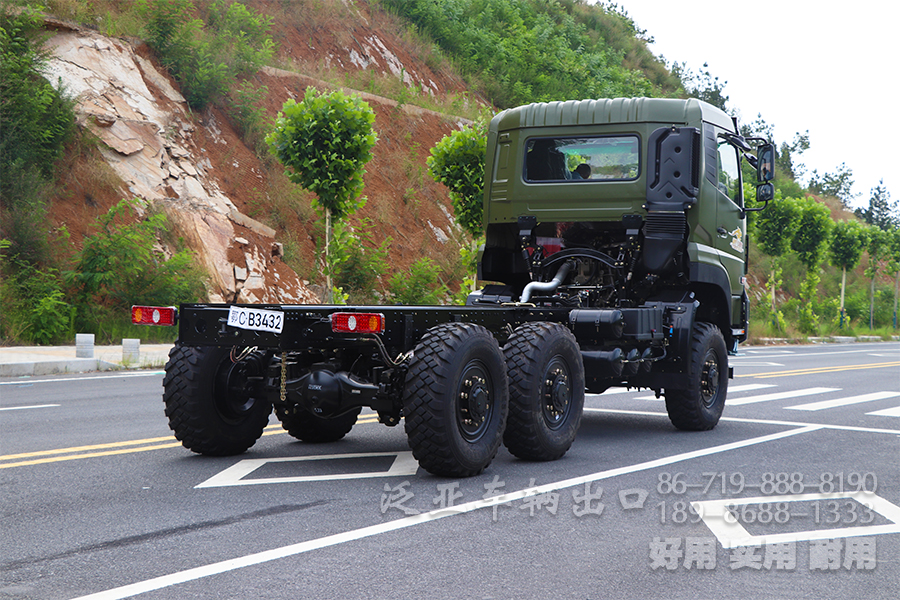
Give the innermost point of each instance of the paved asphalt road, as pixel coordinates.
(99, 501)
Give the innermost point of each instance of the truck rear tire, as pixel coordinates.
(209, 404)
(307, 427)
(546, 391)
(699, 407)
(455, 400)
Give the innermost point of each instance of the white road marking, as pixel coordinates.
(793, 354)
(844, 401)
(887, 412)
(27, 407)
(348, 536)
(404, 465)
(780, 396)
(749, 387)
(646, 413)
(731, 390)
(614, 392)
(716, 516)
(756, 364)
(118, 376)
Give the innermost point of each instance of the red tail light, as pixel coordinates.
(357, 322)
(154, 315)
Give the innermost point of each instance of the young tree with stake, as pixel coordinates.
(848, 240)
(457, 161)
(775, 228)
(325, 142)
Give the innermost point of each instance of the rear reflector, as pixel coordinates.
(153, 315)
(357, 322)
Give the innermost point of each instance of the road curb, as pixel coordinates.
(54, 367)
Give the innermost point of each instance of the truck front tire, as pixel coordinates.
(456, 399)
(700, 405)
(546, 391)
(210, 405)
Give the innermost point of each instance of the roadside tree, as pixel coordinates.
(810, 243)
(775, 228)
(457, 161)
(325, 142)
(879, 248)
(848, 240)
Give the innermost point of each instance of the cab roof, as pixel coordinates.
(611, 111)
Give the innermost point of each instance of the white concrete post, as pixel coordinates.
(84, 345)
(131, 351)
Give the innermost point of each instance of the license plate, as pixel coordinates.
(256, 319)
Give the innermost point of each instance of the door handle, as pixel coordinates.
(722, 231)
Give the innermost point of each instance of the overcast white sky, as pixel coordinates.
(832, 68)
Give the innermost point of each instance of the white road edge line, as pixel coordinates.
(645, 413)
(791, 354)
(117, 376)
(165, 581)
(27, 407)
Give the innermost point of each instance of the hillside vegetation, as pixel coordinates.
(464, 59)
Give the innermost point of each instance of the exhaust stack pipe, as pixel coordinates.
(549, 286)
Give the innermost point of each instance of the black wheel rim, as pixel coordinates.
(233, 398)
(709, 378)
(556, 393)
(475, 405)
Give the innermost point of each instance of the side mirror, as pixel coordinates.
(765, 163)
(765, 193)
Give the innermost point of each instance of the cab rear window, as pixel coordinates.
(579, 159)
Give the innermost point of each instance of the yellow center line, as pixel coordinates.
(41, 461)
(821, 370)
(79, 452)
(84, 448)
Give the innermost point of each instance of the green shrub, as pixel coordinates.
(35, 310)
(36, 121)
(206, 62)
(245, 108)
(856, 305)
(357, 263)
(421, 285)
(809, 320)
(242, 36)
(23, 212)
(526, 51)
(37, 118)
(119, 266)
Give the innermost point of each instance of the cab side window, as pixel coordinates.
(729, 172)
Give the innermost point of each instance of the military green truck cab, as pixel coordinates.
(623, 204)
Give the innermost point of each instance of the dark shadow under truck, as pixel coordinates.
(617, 243)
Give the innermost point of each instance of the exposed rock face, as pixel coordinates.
(149, 139)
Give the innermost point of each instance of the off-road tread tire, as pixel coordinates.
(684, 406)
(429, 405)
(528, 352)
(309, 428)
(188, 396)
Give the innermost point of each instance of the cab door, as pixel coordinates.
(731, 225)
